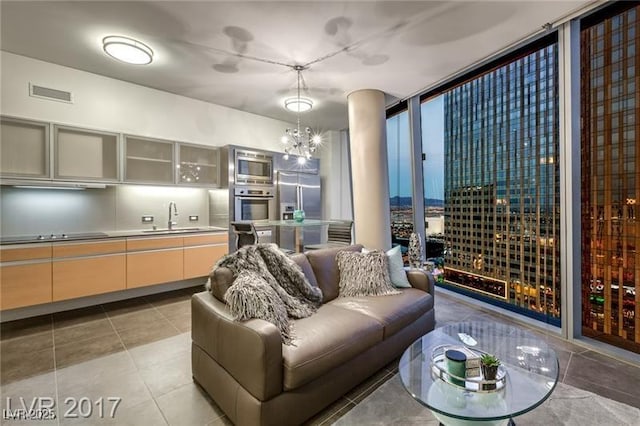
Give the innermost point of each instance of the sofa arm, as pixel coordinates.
(422, 280)
(250, 351)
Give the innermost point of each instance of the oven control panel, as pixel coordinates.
(253, 192)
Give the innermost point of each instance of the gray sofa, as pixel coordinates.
(256, 380)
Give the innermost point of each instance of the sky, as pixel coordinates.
(432, 115)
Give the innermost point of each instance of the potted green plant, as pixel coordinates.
(489, 364)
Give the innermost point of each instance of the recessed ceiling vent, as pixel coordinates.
(50, 94)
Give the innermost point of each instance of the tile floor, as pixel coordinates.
(139, 350)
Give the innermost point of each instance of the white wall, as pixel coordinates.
(107, 104)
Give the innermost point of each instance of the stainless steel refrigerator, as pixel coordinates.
(299, 190)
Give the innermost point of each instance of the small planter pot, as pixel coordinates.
(489, 372)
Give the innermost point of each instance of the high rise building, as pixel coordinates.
(610, 159)
(502, 200)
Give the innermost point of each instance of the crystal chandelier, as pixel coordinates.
(299, 143)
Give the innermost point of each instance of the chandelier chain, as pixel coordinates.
(297, 142)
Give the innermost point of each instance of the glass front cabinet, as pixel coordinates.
(54, 152)
(24, 151)
(85, 154)
(148, 160)
(198, 165)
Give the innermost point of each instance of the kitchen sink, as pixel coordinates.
(174, 230)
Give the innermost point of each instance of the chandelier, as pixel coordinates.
(297, 142)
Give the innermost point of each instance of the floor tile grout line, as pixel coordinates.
(332, 418)
(368, 387)
(55, 371)
(164, 316)
(136, 367)
(566, 370)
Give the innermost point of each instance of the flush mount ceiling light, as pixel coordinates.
(127, 50)
(302, 144)
(298, 104)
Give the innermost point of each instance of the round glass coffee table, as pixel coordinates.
(531, 368)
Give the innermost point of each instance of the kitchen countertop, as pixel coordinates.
(11, 240)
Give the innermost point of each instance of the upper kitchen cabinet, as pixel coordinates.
(198, 165)
(24, 151)
(85, 154)
(148, 160)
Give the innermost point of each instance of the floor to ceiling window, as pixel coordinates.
(491, 183)
(610, 158)
(432, 119)
(400, 180)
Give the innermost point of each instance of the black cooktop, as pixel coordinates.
(51, 237)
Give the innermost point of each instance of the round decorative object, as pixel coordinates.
(415, 250)
(456, 365)
(447, 366)
(298, 215)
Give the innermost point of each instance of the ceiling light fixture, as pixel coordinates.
(296, 142)
(298, 104)
(127, 50)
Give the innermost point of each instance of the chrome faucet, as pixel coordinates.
(171, 223)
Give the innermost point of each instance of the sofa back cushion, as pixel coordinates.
(302, 261)
(325, 268)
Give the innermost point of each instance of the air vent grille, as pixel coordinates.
(48, 93)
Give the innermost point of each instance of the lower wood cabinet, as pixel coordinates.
(198, 261)
(154, 267)
(25, 275)
(33, 274)
(25, 285)
(201, 252)
(85, 277)
(87, 268)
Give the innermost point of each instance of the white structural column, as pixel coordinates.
(369, 169)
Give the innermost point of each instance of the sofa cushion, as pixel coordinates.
(393, 312)
(364, 274)
(326, 340)
(396, 267)
(302, 261)
(325, 268)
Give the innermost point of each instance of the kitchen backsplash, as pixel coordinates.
(27, 211)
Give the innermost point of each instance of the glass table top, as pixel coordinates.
(293, 223)
(531, 368)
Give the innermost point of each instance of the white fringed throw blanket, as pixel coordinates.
(270, 286)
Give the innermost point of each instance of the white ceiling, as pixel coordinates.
(220, 52)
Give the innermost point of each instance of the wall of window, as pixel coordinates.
(502, 203)
(492, 167)
(433, 164)
(610, 158)
(400, 180)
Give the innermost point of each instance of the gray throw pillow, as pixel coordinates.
(364, 274)
(396, 268)
(397, 274)
(251, 296)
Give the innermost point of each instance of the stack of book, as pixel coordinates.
(473, 369)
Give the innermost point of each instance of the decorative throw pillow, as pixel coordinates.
(251, 296)
(364, 274)
(397, 273)
(396, 268)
